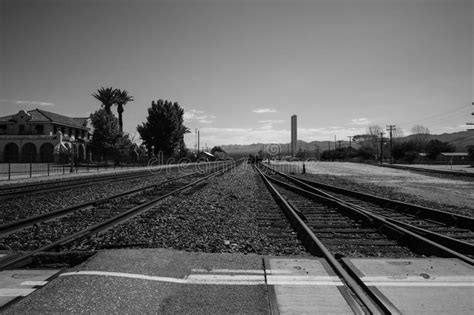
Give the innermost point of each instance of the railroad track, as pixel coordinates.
(333, 229)
(57, 231)
(12, 191)
(431, 171)
(450, 230)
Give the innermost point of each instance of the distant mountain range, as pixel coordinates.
(459, 139)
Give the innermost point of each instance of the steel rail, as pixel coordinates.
(14, 226)
(414, 240)
(456, 245)
(426, 170)
(420, 211)
(104, 225)
(10, 191)
(55, 186)
(316, 247)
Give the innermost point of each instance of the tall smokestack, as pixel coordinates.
(294, 137)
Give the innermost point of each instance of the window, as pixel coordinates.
(3, 129)
(21, 129)
(39, 129)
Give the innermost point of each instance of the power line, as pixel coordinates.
(441, 115)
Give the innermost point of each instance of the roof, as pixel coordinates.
(454, 153)
(6, 118)
(206, 153)
(45, 116)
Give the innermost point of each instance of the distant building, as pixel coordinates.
(454, 157)
(294, 137)
(205, 156)
(41, 136)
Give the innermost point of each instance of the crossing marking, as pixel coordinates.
(222, 279)
(34, 283)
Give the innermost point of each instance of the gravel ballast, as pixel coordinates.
(220, 217)
(447, 194)
(31, 205)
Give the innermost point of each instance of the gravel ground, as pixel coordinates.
(29, 205)
(219, 217)
(446, 194)
(442, 167)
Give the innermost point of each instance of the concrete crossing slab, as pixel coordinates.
(309, 288)
(19, 283)
(170, 282)
(419, 286)
(154, 281)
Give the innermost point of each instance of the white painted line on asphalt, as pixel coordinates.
(34, 283)
(123, 275)
(15, 292)
(239, 279)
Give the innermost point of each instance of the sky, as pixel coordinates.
(240, 69)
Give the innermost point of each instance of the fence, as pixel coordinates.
(9, 171)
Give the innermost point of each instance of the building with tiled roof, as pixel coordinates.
(41, 136)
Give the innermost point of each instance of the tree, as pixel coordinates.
(107, 96)
(420, 137)
(434, 147)
(122, 98)
(404, 151)
(369, 142)
(217, 149)
(164, 130)
(470, 152)
(106, 132)
(123, 148)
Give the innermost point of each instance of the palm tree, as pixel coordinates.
(122, 99)
(107, 96)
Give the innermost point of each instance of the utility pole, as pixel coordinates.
(381, 147)
(329, 150)
(335, 144)
(198, 141)
(391, 128)
(350, 145)
(339, 151)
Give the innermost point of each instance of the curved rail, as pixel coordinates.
(10, 191)
(315, 246)
(426, 170)
(418, 239)
(120, 218)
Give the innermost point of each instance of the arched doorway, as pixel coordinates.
(28, 153)
(46, 153)
(12, 153)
